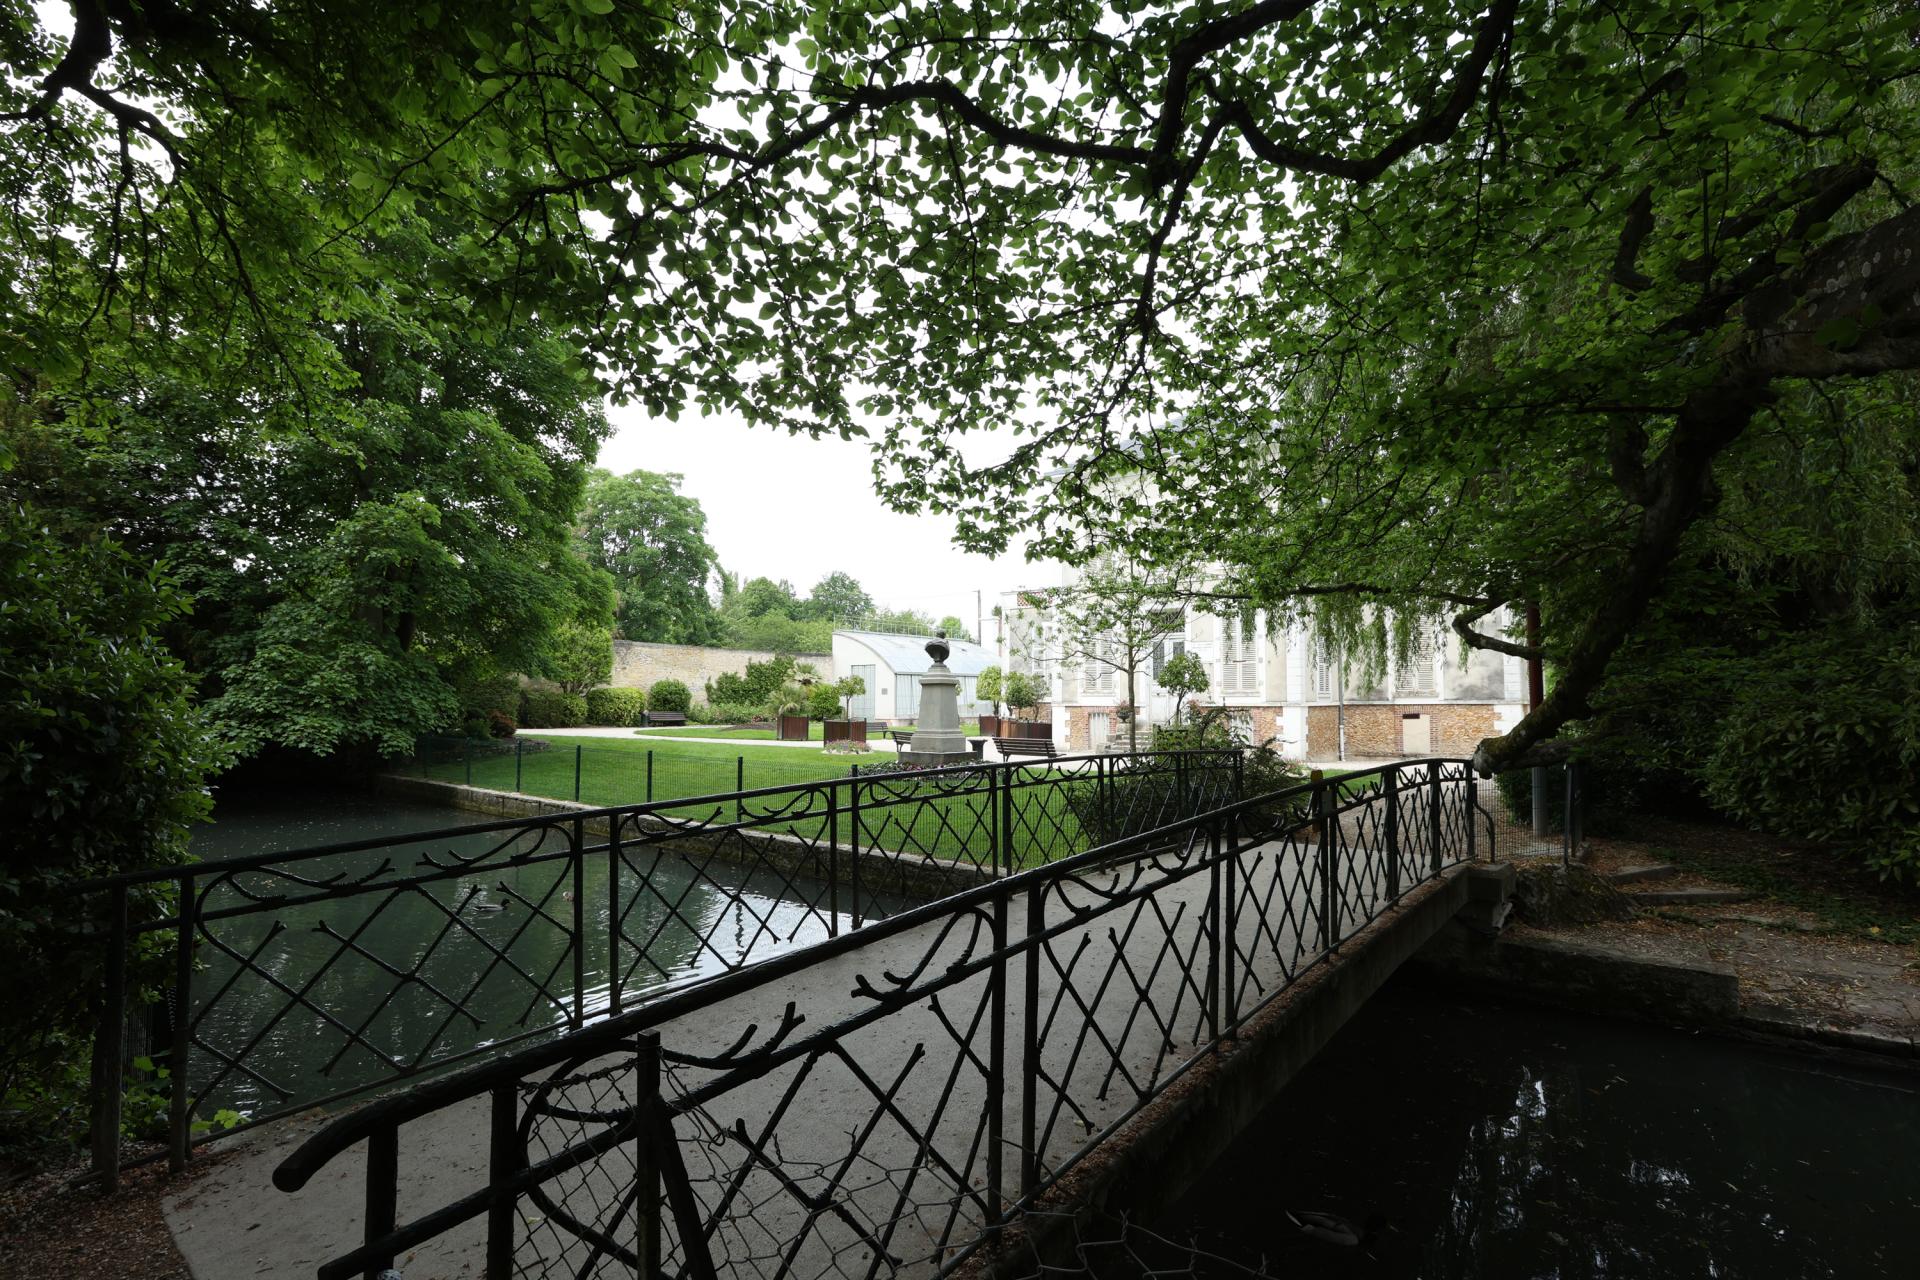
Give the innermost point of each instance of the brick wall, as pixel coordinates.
(637, 664)
(1374, 732)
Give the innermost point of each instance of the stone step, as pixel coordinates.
(1637, 875)
(1685, 897)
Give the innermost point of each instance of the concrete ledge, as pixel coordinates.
(1165, 1149)
(1589, 979)
(880, 870)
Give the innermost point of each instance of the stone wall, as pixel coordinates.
(637, 664)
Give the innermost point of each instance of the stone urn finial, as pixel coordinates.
(937, 647)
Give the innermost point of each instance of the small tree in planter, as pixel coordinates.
(1021, 691)
(788, 707)
(987, 688)
(1182, 675)
(823, 701)
(842, 730)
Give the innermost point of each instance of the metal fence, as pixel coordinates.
(290, 980)
(884, 1103)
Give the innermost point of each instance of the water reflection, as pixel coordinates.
(309, 1001)
(1488, 1142)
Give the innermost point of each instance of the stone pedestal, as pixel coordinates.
(937, 739)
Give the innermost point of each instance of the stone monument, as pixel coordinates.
(937, 739)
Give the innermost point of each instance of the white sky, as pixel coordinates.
(791, 507)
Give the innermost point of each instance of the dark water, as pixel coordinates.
(1501, 1143)
(295, 1004)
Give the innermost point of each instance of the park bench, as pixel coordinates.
(666, 717)
(1011, 747)
(901, 737)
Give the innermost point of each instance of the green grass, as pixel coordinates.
(613, 771)
(743, 733)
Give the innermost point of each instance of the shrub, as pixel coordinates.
(823, 703)
(616, 706)
(474, 727)
(733, 713)
(1828, 748)
(552, 709)
(753, 688)
(103, 764)
(668, 695)
(1020, 691)
(500, 725)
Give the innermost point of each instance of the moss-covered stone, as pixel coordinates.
(1550, 894)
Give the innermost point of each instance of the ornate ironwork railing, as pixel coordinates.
(882, 1103)
(296, 979)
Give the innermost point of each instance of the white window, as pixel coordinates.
(1415, 678)
(1239, 657)
(1099, 672)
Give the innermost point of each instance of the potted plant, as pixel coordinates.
(849, 729)
(789, 710)
(1022, 692)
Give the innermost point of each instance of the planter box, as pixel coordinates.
(990, 726)
(846, 730)
(793, 729)
(1036, 730)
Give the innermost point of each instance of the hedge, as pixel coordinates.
(616, 706)
(552, 709)
(669, 695)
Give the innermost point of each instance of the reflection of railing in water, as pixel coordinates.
(378, 959)
(766, 1123)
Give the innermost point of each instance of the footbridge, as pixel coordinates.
(902, 1099)
(889, 1025)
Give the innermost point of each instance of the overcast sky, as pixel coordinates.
(789, 507)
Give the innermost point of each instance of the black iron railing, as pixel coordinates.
(297, 979)
(882, 1103)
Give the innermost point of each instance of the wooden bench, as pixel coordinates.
(1011, 747)
(901, 737)
(666, 717)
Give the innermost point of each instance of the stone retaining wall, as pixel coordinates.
(637, 664)
(888, 872)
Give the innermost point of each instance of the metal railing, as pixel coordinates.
(297, 979)
(885, 1102)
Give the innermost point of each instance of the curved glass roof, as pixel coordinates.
(907, 655)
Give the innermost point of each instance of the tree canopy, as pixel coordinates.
(652, 539)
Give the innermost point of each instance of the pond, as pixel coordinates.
(1496, 1142)
(302, 1003)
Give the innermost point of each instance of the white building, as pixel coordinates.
(892, 666)
(1275, 687)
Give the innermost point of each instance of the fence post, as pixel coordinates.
(1214, 913)
(108, 1046)
(1438, 856)
(994, 831)
(1391, 795)
(383, 1192)
(577, 843)
(1006, 817)
(1323, 837)
(649, 775)
(1229, 888)
(179, 1118)
(739, 784)
(853, 843)
(613, 912)
(466, 756)
(1239, 775)
(646, 1159)
(502, 1163)
(577, 750)
(1030, 1044)
(1472, 808)
(997, 1067)
(833, 860)
(519, 751)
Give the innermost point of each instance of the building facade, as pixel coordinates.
(1274, 685)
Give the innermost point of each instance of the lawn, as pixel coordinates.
(614, 771)
(762, 733)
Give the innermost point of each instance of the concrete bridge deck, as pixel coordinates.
(882, 1129)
